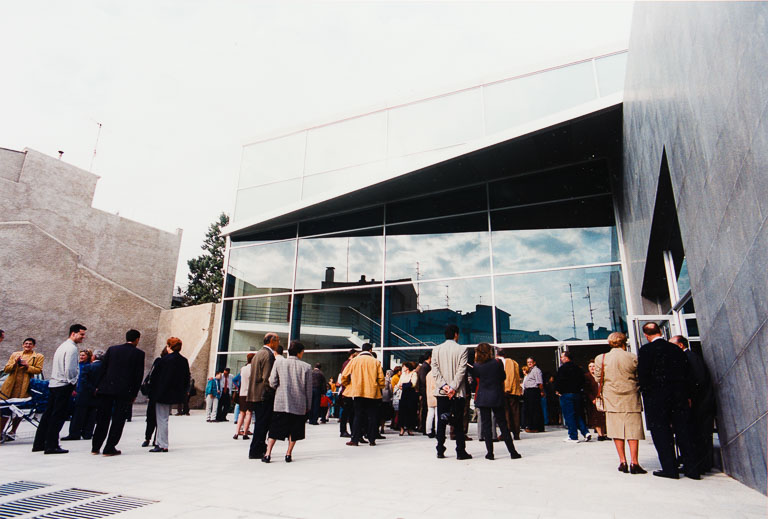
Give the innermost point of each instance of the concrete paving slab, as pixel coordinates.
(208, 474)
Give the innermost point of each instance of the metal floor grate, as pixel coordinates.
(40, 502)
(17, 487)
(96, 509)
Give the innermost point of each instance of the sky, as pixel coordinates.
(179, 87)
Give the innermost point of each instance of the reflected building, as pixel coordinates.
(537, 212)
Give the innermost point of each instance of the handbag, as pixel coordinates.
(147, 383)
(599, 403)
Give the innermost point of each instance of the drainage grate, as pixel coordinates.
(17, 487)
(96, 509)
(41, 502)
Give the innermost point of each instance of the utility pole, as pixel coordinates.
(588, 297)
(573, 312)
(95, 146)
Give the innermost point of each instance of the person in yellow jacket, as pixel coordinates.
(363, 380)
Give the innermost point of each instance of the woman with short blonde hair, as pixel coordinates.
(617, 373)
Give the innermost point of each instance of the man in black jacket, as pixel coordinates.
(664, 375)
(569, 384)
(702, 416)
(121, 374)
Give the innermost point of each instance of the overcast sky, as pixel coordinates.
(180, 86)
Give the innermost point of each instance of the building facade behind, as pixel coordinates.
(63, 261)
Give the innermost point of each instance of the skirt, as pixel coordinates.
(625, 426)
(245, 405)
(287, 425)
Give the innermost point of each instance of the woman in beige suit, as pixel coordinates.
(617, 370)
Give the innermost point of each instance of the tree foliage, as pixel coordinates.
(206, 272)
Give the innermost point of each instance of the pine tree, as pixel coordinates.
(206, 272)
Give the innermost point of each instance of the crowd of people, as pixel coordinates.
(279, 395)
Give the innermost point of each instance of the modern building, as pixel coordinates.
(64, 262)
(537, 212)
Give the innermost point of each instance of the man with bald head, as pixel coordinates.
(664, 375)
(261, 394)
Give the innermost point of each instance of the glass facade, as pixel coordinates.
(506, 270)
(339, 157)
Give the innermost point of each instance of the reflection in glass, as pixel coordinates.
(256, 201)
(520, 100)
(466, 200)
(261, 269)
(339, 319)
(251, 319)
(322, 185)
(272, 160)
(545, 248)
(436, 123)
(683, 280)
(330, 363)
(418, 313)
(448, 247)
(348, 260)
(347, 143)
(577, 304)
(394, 358)
(610, 73)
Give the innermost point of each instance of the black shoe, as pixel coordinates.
(515, 455)
(463, 456)
(345, 435)
(692, 475)
(637, 469)
(157, 449)
(372, 443)
(288, 458)
(488, 456)
(254, 456)
(431, 435)
(113, 452)
(38, 449)
(516, 438)
(70, 438)
(57, 450)
(95, 453)
(623, 468)
(266, 459)
(145, 443)
(440, 455)
(662, 474)
(352, 443)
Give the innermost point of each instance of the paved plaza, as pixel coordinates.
(207, 474)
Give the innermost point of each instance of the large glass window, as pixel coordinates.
(347, 143)
(545, 248)
(448, 247)
(574, 304)
(272, 160)
(261, 269)
(339, 319)
(251, 319)
(436, 123)
(418, 312)
(260, 200)
(520, 100)
(340, 260)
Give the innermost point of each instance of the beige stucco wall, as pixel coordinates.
(196, 326)
(62, 261)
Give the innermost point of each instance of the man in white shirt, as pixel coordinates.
(61, 384)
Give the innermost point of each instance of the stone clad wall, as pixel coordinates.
(196, 326)
(62, 261)
(695, 87)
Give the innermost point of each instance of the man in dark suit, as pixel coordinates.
(422, 372)
(702, 416)
(121, 374)
(262, 395)
(664, 376)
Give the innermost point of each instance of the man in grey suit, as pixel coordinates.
(261, 394)
(449, 362)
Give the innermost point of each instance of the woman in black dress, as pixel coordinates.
(489, 398)
(409, 398)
